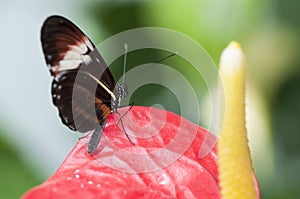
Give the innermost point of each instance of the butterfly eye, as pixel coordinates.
(122, 90)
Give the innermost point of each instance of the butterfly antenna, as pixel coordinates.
(167, 57)
(159, 61)
(125, 57)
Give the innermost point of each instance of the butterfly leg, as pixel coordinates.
(95, 138)
(84, 136)
(120, 120)
(126, 133)
(131, 105)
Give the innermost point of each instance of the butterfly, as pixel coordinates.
(83, 88)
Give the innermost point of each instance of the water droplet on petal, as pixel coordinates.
(77, 176)
(68, 178)
(163, 179)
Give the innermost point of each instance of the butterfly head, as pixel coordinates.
(120, 92)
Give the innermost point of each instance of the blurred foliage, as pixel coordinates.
(16, 176)
(118, 17)
(285, 111)
(288, 12)
(151, 94)
(286, 132)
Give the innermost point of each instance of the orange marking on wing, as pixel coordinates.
(105, 109)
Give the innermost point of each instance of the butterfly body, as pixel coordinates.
(83, 88)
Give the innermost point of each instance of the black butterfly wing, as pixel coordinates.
(82, 85)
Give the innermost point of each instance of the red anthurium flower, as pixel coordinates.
(163, 163)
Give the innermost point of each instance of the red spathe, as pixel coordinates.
(163, 163)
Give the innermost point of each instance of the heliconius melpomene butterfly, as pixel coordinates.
(83, 88)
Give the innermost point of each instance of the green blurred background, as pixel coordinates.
(33, 142)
